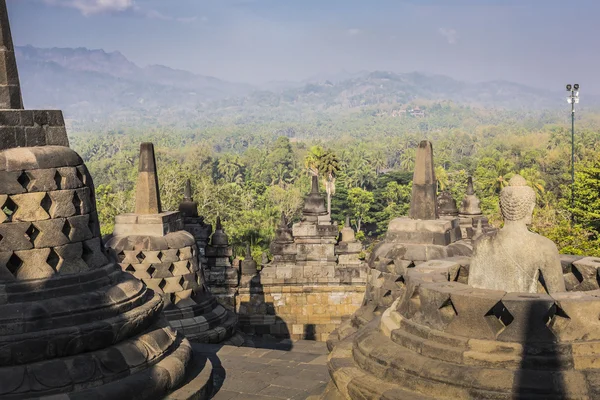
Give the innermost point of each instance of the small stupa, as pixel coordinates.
(283, 247)
(222, 277)
(249, 267)
(470, 214)
(315, 236)
(153, 246)
(348, 248)
(447, 205)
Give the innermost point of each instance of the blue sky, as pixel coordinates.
(543, 43)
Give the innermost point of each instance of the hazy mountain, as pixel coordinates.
(95, 84)
(82, 80)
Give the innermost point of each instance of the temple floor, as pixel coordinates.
(267, 370)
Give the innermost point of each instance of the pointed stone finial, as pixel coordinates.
(283, 221)
(249, 266)
(314, 203)
(423, 202)
(187, 193)
(470, 190)
(478, 230)
(219, 237)
(188, 207)
(147, 198)
(315, 184)
(470, 204)
(10, 89)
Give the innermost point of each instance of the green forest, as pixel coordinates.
(250, 171)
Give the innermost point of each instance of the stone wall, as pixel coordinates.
(26, 128)
(297, 311)
(299, 301)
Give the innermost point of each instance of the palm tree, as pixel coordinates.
(442, 178)
(311, 161)
(379, 162)
(329, 167)
(407, 159)
(534, 179)
(229, 167)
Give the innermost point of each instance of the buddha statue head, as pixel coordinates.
(517, 201)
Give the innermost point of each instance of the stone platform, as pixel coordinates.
(443, 339)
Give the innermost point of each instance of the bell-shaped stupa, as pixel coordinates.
(153, 246)
(72, 325)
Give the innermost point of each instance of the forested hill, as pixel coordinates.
(93, 85)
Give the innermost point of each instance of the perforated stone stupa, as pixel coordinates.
(312, 283)
(515, 321)
(409, 241)
(72, 324)
(152, 246)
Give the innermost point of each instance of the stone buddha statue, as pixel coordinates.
(515, 259)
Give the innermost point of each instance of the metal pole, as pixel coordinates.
(572, 155)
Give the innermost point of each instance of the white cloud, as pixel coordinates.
(90, 7)
(450, 34)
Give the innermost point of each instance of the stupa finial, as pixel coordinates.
(147, 198)
(218, 225)
(423, 203)
(315, 184)
(10, 89)
(347, 224)
(187, 193)
(470, 190)
(283, 221)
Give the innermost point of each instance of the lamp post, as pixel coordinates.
(572, 100)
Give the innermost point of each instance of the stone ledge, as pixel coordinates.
(28, 128)
(148, 224)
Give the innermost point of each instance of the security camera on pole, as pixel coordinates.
(572, 100)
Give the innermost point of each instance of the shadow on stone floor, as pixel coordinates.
(542, 365)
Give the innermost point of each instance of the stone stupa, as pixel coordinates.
(470, 215)
(153, 246)
(72, 325)
(194, 223)
(221, 276)
(348, 248)
(515, 321)
(409, 241)
(283, 247)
